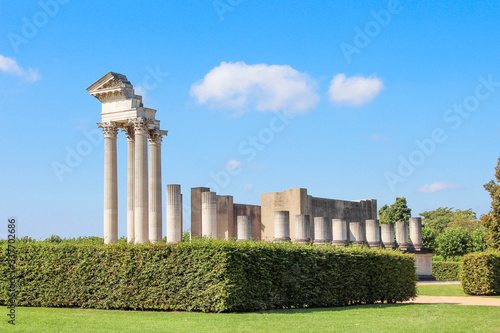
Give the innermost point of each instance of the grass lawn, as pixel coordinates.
(368, 318)
(443, 290)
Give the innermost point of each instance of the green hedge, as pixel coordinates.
(210, 276)
(446, 270)
(481, 273)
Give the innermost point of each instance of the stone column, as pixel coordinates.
(321, 231)
(281, 226)
(355, 230)
(155, 201)
(372, 235)
(402, 235)
(141, 180)
(174, 214)
(339, 232)
(209, 214)
(129, 132)
(110, 131)
(244, 228)
(302, 229)
(387, 233)
(416, 233)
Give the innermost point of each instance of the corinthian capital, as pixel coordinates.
(140, 125)
(156, 136)
(129, 132)
(109, 129)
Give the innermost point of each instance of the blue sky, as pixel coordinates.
(349, 99)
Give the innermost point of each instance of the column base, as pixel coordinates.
(282, 240)
(302, 241)
(374, 245)
(340, 243)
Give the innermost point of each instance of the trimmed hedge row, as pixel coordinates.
(446, 270)
(481, 273)
(207, 275)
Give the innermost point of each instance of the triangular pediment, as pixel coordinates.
(112, 87)
(109, 81)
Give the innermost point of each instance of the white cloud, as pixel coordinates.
(355, 90)
(9, 65)
(248, 187)
(439, 186)
(379, 137)
(238, 86)
(233, 164)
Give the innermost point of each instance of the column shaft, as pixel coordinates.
(339, 232)
(141, 181)
(209, 214)
(372, 233)
(302, 229)
(355, 230)
(110, 184)
(387, 235)
(174, 213)
(321, 228)
(402, 235)
(281, 226)
(244, 227)
(416, 232)
(155, 202)
(130, 184)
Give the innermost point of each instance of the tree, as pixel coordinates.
(429, 239)
(381, 213)
(438, 219)
(398, 211)
(453, 242)
(478, 241)
(491, 221)
(464, 219)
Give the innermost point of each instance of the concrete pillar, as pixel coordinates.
(174, 213)
(129, 131)
(321, 231)
(155, 200)
(281, 226)
(387, 234)
(196, 210)
(339, 232)
(372, 234)
(402, 235)
(416, 233)
(209, 214)
(141, 212)
(355, 230)
(244, 228)
(110, 183)
(302, 229)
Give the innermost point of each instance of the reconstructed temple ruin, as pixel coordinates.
(291, 215)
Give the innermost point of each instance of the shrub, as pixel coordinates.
(446, 270)
(453, 242)
(207, 275)
(481, 273)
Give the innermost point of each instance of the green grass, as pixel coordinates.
(368, 318)
(443, 290)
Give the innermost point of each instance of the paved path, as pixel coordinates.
(435, 283)
(460, 300)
